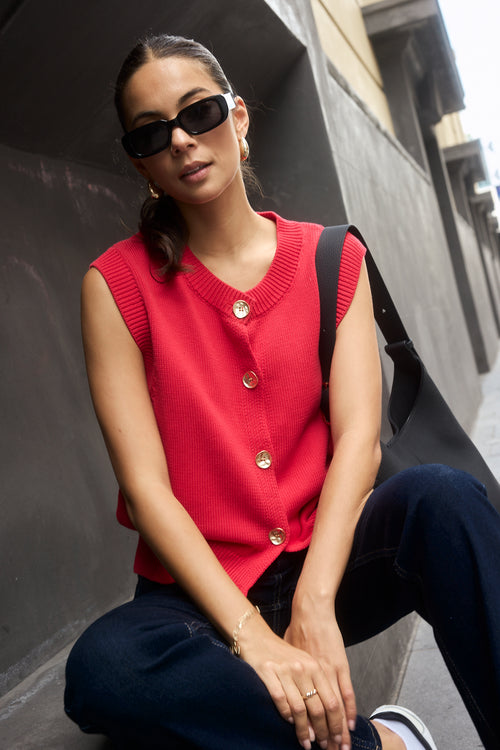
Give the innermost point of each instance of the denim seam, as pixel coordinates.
(369, 556)
(194, 629)
(454, 669)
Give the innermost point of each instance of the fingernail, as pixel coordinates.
(345, 747)
(290, 720)
(306, 745)
(312, 736)
(338, 739)
(351, 724)
(323, 744)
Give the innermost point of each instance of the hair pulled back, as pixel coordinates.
(161, 222)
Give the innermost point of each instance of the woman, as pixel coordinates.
(258, 555)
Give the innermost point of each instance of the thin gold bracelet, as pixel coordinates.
(235, 646)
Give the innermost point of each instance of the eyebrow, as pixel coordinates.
(184, 98)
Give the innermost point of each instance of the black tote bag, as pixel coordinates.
(423, 426)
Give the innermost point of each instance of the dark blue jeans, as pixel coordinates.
(154, 673)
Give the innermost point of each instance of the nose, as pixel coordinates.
(180, 140)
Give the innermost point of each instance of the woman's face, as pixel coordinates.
(193, 169)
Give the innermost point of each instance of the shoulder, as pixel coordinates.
(123, 272)
(307, 230)
(353, 253)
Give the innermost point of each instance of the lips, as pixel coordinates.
(193, 168)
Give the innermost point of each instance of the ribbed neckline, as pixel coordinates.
(269, 290)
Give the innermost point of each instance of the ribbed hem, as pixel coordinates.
(124, 288)
(353, 253)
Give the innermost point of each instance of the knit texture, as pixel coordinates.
(196, 353)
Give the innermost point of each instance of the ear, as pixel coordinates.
(240, 117)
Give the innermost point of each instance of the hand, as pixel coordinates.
(289, 673)
(314, 629)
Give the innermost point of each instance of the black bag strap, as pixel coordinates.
(385, 311)
(328, 255)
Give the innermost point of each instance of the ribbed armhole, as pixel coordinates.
(126, 294)
(353, 253)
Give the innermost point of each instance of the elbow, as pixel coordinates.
(376, 458)
(372, 457)
(129, 508)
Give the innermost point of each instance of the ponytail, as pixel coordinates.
(164, 232)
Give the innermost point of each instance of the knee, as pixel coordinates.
(444, 508)
(438, 503)
(436, 489)
(93, 663)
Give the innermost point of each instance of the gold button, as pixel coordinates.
(250, 379)
(263, 459)
(241, 308)
(277, 536)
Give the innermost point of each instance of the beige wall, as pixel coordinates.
(343, 37)
(449, 131)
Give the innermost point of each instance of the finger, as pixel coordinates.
(344, 741)
(349, 699)
(279, 697)
(332, 708)
(298, 710)
(317, 717)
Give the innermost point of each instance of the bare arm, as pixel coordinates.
(355, 395)
(124, 410)
(125, 413)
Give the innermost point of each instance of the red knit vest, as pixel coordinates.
(235, 383)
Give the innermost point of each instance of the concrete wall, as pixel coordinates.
(344, 39)
(62, 555)
(393, 202)
(449, 131)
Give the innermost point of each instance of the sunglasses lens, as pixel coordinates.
(203, 115)
(197, 118)
(149, 139)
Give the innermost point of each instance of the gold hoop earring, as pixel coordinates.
(244, 149)
(154, 191)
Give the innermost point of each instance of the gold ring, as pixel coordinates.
(309, 694)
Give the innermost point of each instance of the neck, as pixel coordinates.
(220, 227)
(231, 239)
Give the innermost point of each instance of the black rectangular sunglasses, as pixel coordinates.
(199, 117)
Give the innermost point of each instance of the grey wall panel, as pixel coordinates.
(62, 555)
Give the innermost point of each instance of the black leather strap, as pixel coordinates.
(328, 256)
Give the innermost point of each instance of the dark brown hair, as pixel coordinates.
(161, 222)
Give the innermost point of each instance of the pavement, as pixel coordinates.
(31, 717)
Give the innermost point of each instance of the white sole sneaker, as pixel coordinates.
(409, 719)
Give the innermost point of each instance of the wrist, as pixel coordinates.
(237, 632)
(253, 635)
(309, 599)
